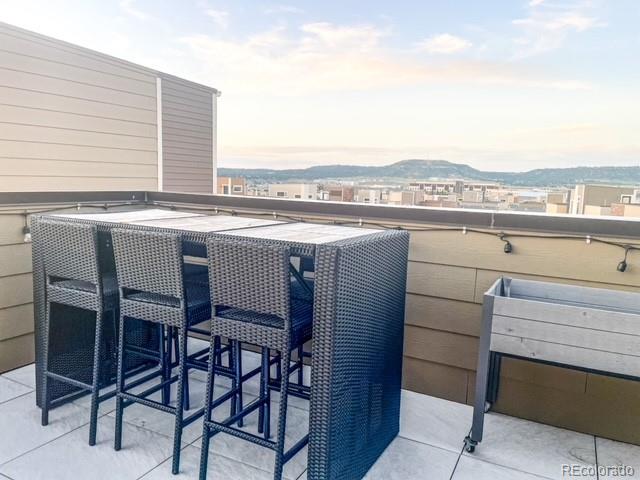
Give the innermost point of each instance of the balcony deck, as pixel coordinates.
(429, 445)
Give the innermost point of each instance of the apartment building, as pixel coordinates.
(75, 119)
(597, 199)
(232, 186)
(307, 191)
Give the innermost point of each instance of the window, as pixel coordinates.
(310, 196)
(281, 194)
(225, 189)
(237, 188)
(296, 196)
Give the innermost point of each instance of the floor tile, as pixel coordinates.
(410, 460)
(472, 469)
(435, 421)
(617, 454)
(219, 468)
(263, 458)
(10, 389)
(70, 456)
(533, 447)
(25, 375)
(250, 361)
(21, 429)
(164, 423)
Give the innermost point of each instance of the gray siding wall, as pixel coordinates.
(75, 119)
(187, 137)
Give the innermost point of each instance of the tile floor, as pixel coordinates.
(429, 445)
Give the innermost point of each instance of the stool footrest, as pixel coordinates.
(131, 399)
(299, 445)
(219, 427)
(70, 381)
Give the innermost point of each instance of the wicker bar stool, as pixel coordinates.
(73, 277)
(150, 272)
(252, 303)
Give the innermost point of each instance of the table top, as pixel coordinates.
(204, 224)
(128, 216)
(299, 233)
(308, 233)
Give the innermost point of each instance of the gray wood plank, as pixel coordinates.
(580, 357)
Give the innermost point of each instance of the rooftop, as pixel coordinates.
(429, 444)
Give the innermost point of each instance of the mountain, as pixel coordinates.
(425, 169)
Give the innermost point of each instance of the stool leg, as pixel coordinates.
(238, 377)
(165, 361)
(300, 364)
(45, 368)
(95, 386)
(187, 405)
(264, 387)
(182, 370)
(285, 360)
(209, 398)
(117, 443)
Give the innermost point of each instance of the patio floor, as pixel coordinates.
(429, 445)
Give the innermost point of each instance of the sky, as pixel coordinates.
(499, 85)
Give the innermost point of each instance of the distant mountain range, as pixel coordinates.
(405, 170)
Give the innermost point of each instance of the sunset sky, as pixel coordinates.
(504, 85)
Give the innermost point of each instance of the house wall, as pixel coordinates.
(188, 133)
(74, 119)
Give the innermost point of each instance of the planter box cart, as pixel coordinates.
(589, 329)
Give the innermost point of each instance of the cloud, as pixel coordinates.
(276, 9)
(548, 25)
(444, 43)
(128, 7)
(325, 57)
(220, 17)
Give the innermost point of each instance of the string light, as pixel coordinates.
(622, 266)
(508, 248)
(26, 231)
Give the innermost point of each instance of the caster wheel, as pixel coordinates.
(469, 445)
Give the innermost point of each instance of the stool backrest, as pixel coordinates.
(149, 262)
(70, 250)
(250, 276)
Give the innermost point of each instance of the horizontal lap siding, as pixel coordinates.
(187, 143)
(73, 119)
(448, 275)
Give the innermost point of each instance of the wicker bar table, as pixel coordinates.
(193, 226)
(358, 324)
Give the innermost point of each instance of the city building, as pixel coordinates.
(232, 186)
(368, 195)
(404, 197)
(445, 187)
(597, 199)
(339, 193)
(307, 191)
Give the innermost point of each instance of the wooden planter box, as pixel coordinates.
(589, 329)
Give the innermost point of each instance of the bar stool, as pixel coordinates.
(150, 272)
(252, 303)
(73, 277)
